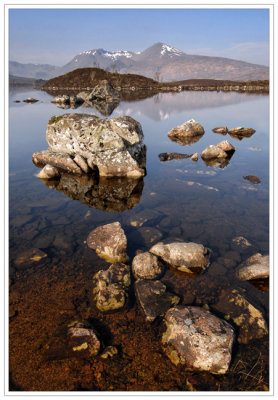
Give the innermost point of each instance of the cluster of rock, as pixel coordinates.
(238, 133)
(80, 143)
(194, 336)
(103, 97)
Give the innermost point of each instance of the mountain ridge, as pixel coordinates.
(159, 61)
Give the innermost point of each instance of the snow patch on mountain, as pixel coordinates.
(170, 51)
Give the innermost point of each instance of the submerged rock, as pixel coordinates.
(198, 339)
(184, 256)
(146, 266)
(189, 129)
(114, 147)
(172, 156)
(241, 242)
(253, 179)
(240, 132)
(83, 338)
(110, 287)
(109, 242)
(246, 316)
(223, 130)
(154, 299)
(30, 256)
(109, 352)
(255, 267)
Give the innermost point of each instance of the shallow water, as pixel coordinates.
(179, 200)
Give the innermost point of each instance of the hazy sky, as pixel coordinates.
(55, 36)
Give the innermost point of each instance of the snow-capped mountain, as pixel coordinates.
(160, 61)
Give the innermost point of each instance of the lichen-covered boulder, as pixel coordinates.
(250, 320)
(154, 298)
(188, 129)
(115, 147)
(198, 339)
(109, 242)
(255, 267)
(184, 256)
(110, 287)
(146, 266)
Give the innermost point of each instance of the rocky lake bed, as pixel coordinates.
(129, 273)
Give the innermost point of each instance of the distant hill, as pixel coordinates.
(132, 86)
(35, 71)
(160, 62)
(22, 81)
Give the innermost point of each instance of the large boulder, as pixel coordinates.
(146, 266)
(154, 299)
(188, 129)
(114, 147)
(255, 267)
(198, 339)
(111, 287)
(184, 256)
(109, 242)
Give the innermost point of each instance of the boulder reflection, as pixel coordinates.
(186, 141)
(105, 194)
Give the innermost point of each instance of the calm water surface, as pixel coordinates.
(179, 200)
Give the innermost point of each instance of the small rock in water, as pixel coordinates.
(212, 152)
(194, 157)
(184, 256)
(221, 129)
(245, 315)
(154, 299)
(16, 101)
(226, 146)
(83, 338)
(146, 266)
(48, 172)
(109, 242)
(254, 148)
(253, 179)
(198, 339)
(189, 128)
(30, 100)
(240, 132)
(110, 287)
(255, 267)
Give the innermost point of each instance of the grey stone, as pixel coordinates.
(198, 339)
(184, 256)
(146, 266)
(48, 172)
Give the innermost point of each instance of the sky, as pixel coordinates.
(55, 36)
